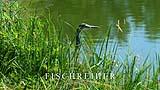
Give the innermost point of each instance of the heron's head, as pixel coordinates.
(83, 26)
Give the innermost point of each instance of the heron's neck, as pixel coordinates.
(77, 37)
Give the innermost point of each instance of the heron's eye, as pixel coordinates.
(81, 26)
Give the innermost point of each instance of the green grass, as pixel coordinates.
(32, 46)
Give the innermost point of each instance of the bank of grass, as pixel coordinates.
(33, 46)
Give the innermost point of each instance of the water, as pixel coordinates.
(141, 29)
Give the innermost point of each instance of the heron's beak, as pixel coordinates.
(91, 26)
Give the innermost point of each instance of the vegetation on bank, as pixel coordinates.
(32, 46)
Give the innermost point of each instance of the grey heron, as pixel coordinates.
(81, 27)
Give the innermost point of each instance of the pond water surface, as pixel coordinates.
(139, 20)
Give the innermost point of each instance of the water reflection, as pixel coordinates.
(141, 31)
